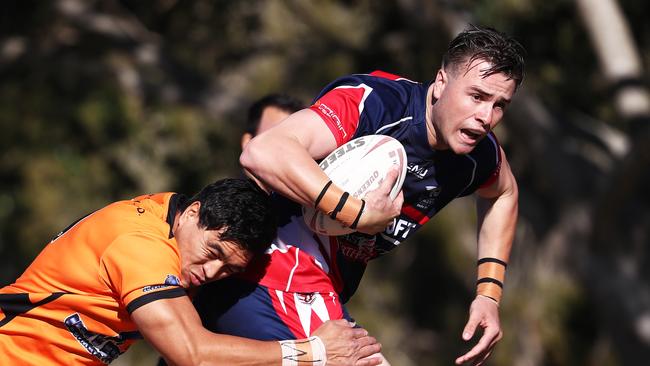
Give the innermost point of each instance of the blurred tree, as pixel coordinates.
(105, 99)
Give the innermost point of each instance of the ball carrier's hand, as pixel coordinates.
(346, 345)
(370, 215)
(380, 209)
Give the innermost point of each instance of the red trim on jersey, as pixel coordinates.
(495, 174)
(339, 108)
(385, 75)
(415, 214)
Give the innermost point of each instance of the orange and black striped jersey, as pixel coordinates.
(73, 303)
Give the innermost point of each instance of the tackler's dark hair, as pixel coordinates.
(239, 206)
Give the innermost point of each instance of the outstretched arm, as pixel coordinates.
(174, 328)
(497, 219)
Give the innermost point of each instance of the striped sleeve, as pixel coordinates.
(141, 268)
(341, 109)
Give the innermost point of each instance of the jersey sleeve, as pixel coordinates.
(141, 268)
(495, 173)
(341, 109)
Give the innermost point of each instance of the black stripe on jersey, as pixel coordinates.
(159, 295)
(70, 226)
(13, 305)
(171, 213)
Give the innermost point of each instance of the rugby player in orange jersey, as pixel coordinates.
(121, 274)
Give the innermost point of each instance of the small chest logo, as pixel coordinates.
(418, 170)
(427, 199)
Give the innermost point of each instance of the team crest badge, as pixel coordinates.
(172, 280)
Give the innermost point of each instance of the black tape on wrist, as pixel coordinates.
(356, 221)
(493, 260)
(339, 206)
(490, 280)
(322, 193)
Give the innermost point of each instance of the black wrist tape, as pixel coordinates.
(339, 206)
(322, 193)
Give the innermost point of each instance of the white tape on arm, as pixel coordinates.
(318, 352)
(289, 353)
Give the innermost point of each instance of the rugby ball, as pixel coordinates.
(358, 167)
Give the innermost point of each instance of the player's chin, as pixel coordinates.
(186, 281)
(463, 149)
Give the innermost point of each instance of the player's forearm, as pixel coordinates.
(215, 349)
(207, 348)
(497, 223)
(497, 219)
(497, 209)
(284, 165)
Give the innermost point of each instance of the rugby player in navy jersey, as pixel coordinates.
(446, 128)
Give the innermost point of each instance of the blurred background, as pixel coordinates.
(104, 100)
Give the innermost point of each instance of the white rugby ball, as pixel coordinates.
(358, 167)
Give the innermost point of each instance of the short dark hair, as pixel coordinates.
(283, 102)
(239, 206)
(503, 52)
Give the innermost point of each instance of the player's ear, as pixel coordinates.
(193, 209)
(245, 138)
(440, 82)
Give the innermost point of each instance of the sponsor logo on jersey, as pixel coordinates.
(170, 281)
(357, 247)
(307, 297)
(419, 171)
(327, 111)
(400, 228)
(103, 347)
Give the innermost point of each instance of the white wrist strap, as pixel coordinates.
(291, 354)
(318, 352)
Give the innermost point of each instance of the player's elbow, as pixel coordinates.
(253, 156)
(512, 188)
(186, 354)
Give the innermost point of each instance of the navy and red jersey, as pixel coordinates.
(359, 105)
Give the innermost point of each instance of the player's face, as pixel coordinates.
(271, 117)
(204, 256)
(468, 106)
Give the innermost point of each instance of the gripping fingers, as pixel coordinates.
(387, 184)
(482, 345)
(360, 333)
(399, 201)
(369, 350)
(367, 341)
(371, 361)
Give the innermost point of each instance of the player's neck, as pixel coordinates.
(175, 223)
(429, 116)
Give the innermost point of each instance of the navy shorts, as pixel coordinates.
(242, 308)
